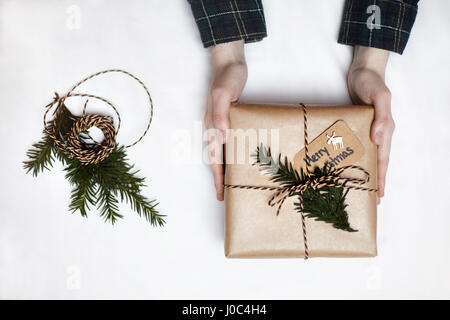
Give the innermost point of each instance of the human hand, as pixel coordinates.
(366, 85)
(229, 78)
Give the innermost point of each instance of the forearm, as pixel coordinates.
(370, 58)
(228, 53)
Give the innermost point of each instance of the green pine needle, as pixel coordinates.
(108, 205)
(279, 171)
(40, 156)
(325, 204)
(113, 179)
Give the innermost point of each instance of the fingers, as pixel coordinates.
(382, 163)
(382, 101)
(218, 118)
(215, 157)
(217, 121)
(381, 134)
(217, 170)
(221, 100)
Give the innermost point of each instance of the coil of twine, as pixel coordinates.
(73, 144)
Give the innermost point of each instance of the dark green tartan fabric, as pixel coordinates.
(222, 21)
(384, 24)
(391, 32)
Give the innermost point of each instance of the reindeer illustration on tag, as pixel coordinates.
(338, 156)
(337, 142)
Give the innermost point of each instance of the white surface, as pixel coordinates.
(45, 252)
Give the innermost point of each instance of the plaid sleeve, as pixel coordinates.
(383, 24)
(222, 21)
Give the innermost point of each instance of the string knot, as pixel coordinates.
(332, 178)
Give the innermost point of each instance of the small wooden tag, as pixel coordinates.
(338, 145)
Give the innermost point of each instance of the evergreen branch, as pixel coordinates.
(117, 172)
(88, 190)
(40, 156)
(61, 156)
(144, 207)
(325, 204)
(84, 191)
(113, 178)
(100, 184)
(107, 203)
(280, 172)
(81, 197)
(43, 153)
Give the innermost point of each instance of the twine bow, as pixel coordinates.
(73, 144)
(332, 178)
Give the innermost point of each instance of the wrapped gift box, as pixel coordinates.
(253, 229)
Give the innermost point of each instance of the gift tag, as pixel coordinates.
(337, 145)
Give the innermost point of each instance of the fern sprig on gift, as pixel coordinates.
(326, 204)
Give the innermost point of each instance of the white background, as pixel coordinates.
(46, 252)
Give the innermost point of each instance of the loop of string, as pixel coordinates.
(333, 178)
(73, 144)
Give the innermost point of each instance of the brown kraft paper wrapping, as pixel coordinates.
(252, 228)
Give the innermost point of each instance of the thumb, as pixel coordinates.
(381, 134)
(380, 130)
(221, 112)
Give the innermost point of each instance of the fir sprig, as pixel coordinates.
(43, 153)
(281, 172)
(101, 184)
(325, 204)
(40, 156)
